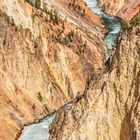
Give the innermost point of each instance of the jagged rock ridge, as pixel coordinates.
(110, 107)
(44, 63)
(47, 60)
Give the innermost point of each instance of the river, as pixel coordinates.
(112, 24)
(40, 131)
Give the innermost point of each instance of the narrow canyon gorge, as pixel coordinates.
(69, 70)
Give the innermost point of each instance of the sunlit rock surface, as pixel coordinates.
(38, 74)
(110, 107)
(43, 66)
(126, 9)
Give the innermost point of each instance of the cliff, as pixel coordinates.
(125, 9)
(110, 105)
(46, 58)
(52, 54)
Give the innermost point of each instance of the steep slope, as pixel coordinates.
(110, 106)
(45, 60)
(126, 9)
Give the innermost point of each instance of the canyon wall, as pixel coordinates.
(46, 59)
(109, 109)
(125, 9)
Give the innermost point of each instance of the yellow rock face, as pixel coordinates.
(110, 107)
(38, 74)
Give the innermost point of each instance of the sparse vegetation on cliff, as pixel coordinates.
(36, 3)
(77, 8)
(1, 13)
(134, 22)
(52, 16)
(106, 85)
(47, 61)
(57, 33)
(39, 96)
(71, 39)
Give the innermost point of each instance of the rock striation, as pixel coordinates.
(125, 9)
(46, 59)
(52, 54)
(110, 105)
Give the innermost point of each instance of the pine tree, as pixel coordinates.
(37, 3)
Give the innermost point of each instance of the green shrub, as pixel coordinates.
(55, 18)
(1, 13)
(39, 96)
(66, 41)
(125, 24)
(136, 20)
(71, 35)
(37, 3)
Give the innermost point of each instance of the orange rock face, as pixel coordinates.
(110, 107)
(43, 65)
(125, 9)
